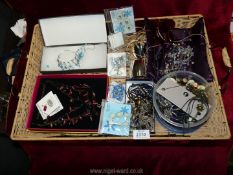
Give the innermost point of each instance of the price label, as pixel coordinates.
(141, 134)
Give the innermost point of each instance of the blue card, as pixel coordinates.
(115, 119)
(116, 92)
(123, 20)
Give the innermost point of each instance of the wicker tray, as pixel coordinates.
(216, 128)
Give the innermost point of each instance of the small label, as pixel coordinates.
(141, 134)
(116, 40)
(49, 105)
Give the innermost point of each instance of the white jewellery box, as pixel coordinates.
(68, 58)
(74, 43)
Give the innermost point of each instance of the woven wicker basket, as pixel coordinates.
(216, 128)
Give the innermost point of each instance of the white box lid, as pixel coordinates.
(70, 30)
